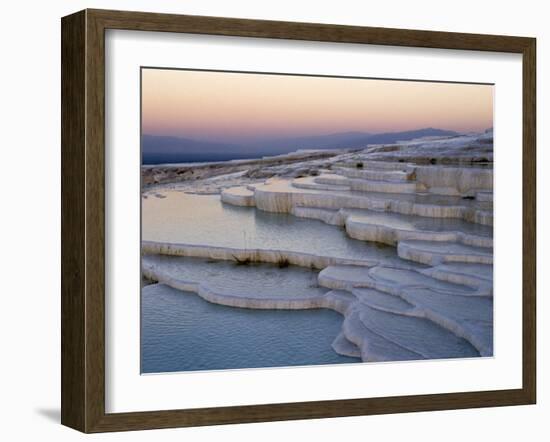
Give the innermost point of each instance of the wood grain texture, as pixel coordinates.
(144, 21)
(529, 220)
(73, 253)
(95, 222)
(83, 220)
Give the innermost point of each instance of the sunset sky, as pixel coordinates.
(221, 106)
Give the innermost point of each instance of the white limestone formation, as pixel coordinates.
(372, 173)
(377, 326)
(280, 196)
(456, 150)
(464, 181)
(434, 252)
(344, 347)
(479, 276)
(333, 217)
(311, 182)
(238, 196)
(250, 255)
(390, 229)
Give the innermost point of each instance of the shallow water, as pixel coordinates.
(253, 280)
(205, 220)
(182, 332)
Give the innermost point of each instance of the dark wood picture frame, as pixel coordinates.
(83, 220)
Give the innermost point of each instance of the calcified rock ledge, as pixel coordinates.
(433, 300)
(379, 304)
(283, 196)
(249, 255)
(390, 229)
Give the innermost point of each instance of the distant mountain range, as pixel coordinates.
(164, 149)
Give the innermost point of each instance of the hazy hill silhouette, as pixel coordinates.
(165, 149)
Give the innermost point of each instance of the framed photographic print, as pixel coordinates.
(271, 220)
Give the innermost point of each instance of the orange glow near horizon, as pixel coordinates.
(238, 106)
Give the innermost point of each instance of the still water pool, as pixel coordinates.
(205, 220)
(182, 332)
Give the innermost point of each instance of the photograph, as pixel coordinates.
(302, 219)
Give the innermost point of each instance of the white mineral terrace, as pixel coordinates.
(431, 297)
(389, 314)
(438, 199)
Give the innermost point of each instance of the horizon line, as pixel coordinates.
(331, 133)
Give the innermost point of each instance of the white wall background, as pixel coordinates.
(30, 183)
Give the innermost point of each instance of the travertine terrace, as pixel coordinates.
(429, 201)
